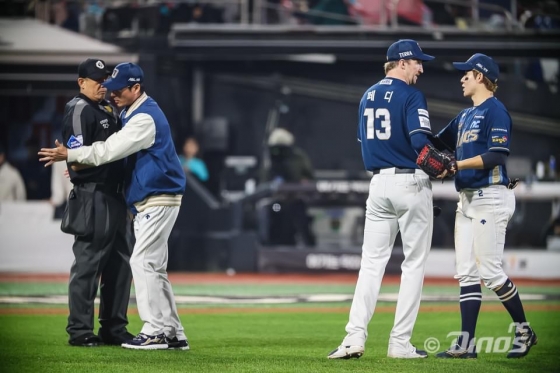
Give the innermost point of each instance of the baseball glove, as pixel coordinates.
(434, 162)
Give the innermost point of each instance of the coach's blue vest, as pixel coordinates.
(155, 170)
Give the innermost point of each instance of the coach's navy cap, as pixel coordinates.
(93, 68)
(125, 74)
(481, 63)
(407, 49)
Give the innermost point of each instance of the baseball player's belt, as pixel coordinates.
(397, 170)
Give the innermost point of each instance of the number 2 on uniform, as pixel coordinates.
(385, 117)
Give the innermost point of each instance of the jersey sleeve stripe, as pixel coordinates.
(499, 149)
(420, 130)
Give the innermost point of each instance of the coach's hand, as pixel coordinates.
(51, 155)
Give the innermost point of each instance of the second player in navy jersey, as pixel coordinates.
(393, 126)
(485, 131)
(480, 137)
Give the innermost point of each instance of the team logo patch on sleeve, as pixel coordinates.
(499, 139)
(424, 122)
(75, 141)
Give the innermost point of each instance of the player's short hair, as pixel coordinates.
(492, 87)
(390, 66)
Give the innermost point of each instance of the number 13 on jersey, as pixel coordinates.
(385, 120)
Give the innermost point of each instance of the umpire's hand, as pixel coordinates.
(51, 155)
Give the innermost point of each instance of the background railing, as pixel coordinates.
(375, 13)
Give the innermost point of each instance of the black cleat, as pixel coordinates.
(87, 340)
(457, 352)
(116, 340)
(524, 340)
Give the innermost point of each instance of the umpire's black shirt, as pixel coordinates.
(85, 122)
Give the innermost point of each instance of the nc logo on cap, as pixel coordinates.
(99, 65)
(115, 73)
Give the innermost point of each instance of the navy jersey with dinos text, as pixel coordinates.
(390, 112)
(475, 131)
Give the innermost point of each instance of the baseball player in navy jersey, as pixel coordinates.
(480, 137)
(154, 188)
(393, 127)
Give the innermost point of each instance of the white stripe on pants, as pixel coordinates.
(154, 295)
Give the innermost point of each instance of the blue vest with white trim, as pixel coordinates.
(156, 170)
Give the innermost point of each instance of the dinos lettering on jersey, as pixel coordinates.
(468, 136)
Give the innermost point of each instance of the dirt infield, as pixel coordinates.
(263, 278)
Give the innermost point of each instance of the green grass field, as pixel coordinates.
(268, 339)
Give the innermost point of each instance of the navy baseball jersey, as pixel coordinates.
(475, 131)
(390, 112)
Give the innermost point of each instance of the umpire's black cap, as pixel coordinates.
(93, 68)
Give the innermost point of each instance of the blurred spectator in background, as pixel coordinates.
(190, 162)
(60, 188)
(11, 182)
(408, 12)
(66, 14)
(334, 8)
(290, 224)
(289, 163)
(551, 235)
(90, 19)
(543, 15)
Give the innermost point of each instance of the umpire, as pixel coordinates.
(97, 216)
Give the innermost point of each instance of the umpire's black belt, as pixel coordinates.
(395, 170)
(103, 187)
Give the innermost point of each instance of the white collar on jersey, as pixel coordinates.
(139, 101)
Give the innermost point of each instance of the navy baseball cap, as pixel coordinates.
(407, 49)
(481, 63)
(93, 68)
(125, 74)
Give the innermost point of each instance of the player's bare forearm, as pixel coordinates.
(474, 163)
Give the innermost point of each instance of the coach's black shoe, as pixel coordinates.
(86, 340)
(524, 340)
(457, 352)
(116, 340)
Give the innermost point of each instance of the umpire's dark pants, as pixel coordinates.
(103, 253)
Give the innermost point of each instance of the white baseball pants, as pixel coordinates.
(396, 202)
(480, 234)
(154, 295)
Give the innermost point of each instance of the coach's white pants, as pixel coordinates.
(154, 295)
(396, 202)
(480, 233)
